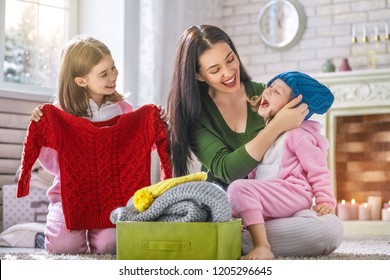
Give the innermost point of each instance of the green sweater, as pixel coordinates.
(220, 150)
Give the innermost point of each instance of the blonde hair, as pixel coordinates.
(78, 58)
(254, 102)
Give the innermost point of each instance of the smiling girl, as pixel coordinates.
(86, 88)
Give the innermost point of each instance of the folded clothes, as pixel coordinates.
(23, 235)
(144, 197)
(198, 201)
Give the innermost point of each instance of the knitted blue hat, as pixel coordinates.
(316, 95)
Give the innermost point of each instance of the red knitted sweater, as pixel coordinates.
(101, 164)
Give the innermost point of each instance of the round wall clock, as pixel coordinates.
(281, 23)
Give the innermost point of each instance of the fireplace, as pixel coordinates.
(358, 129)
(362, 156)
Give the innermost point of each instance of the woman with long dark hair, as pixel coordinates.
(211, 118)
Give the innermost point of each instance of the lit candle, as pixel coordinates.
(375, 202)
(386, 28)
(365, 38)
(364, 212)
(386, 214)
(377, 38)
(343, 210)
(354, 210)
(354, 38)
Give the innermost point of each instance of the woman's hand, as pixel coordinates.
(290, 117)
(323, 209)
(287, 118)
(36, 114)
(163, 113)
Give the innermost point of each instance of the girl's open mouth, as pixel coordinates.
(264, 103)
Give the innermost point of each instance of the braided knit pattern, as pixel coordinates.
(317, 96)
(102, 164)
(187, 202)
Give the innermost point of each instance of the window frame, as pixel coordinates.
(31, 92)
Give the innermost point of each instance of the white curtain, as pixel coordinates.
(153, 29)
(152, 41)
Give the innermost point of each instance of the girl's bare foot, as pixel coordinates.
(259, 253)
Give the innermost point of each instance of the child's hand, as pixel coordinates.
(163, 113)
(323, 209)
(36, 114)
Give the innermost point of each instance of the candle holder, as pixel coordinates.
(371, 59)
(371, 42)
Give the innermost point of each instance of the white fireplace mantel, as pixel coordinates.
(365, 88)
(356, 93)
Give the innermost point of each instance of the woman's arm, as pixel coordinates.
(212, 151)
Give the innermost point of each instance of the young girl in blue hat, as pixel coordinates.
(294, 169)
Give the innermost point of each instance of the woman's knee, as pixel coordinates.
(305, 234)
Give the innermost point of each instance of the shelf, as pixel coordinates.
(371, 228)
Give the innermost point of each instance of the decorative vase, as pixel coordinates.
(344, 66)
(328, 66)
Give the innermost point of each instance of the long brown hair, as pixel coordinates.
(78, 58)
(184, 103)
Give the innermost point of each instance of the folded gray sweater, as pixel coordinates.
(199, 201)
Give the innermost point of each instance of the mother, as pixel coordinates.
(211, 118)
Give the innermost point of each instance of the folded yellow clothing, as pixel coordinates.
(144, 197)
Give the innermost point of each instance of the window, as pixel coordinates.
(35, 32)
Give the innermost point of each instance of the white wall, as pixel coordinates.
(105, 20)
(328, 35)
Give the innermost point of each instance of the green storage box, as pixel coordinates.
(178, 240)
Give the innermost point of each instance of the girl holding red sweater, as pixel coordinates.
(86, 88)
